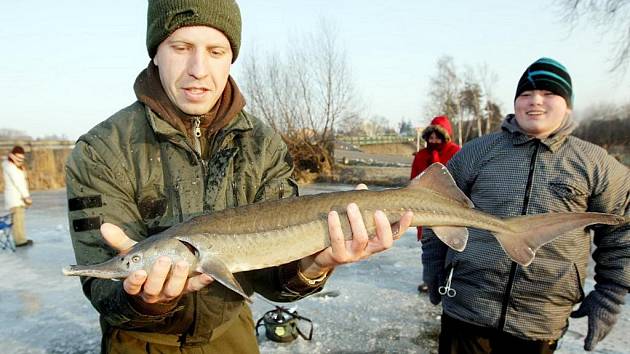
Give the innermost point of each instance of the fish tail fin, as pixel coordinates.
(526, 234)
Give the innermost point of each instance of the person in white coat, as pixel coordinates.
(16, 195)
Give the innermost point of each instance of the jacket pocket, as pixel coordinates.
(153, 207)
(569, 193)
(550, 281)
(578, 283)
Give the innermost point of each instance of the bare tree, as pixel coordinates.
(465, 98)
(487, 79)
(304, 95)
(493, 116)
(470, 101)
(445, 87)
(610, 16)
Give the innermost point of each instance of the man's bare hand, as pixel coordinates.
(156, 286)
(360, 247)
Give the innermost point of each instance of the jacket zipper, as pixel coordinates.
(514, 267)
(197, 135)
(197, 143)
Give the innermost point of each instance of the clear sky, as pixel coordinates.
(66, 65)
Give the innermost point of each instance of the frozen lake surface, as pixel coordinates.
(375, 307)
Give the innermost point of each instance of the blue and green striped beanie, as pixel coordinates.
(547, 74)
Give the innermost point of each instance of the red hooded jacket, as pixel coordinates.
(442, 153)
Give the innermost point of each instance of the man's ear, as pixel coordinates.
(155, 60)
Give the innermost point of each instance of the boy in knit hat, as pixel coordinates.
(184, 148)
(532, 166)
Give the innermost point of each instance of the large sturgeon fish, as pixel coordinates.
(276, 232)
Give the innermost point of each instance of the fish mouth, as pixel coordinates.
(93, 271)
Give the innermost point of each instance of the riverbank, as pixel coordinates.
(379, 169)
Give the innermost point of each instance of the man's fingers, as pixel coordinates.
(401, 226)
(359, 233)
(155, 281)
(177, 281)
(198, 282)
(337, 242)
(116, 237)
(384, 238)
(133, 283)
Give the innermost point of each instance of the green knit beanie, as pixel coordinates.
(165, 16)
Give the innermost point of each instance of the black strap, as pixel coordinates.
(310, 332)
(260, 322)
(87, 202)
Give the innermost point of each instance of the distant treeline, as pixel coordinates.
(608, 126)
(605, 132)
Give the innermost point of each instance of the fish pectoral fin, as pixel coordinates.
(437, 178)
(517, 247)
(454, 237)
(219, 272)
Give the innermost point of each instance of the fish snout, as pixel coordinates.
(106, 270)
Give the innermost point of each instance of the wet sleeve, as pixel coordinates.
(98, 191)
(612, 195)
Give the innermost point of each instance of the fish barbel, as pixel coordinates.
(276, 232)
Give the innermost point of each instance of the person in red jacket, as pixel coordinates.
(439, 148)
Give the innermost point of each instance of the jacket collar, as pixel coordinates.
(241, 122)
(552, 142)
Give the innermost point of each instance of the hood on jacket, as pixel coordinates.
(554, 139)
(441, 125)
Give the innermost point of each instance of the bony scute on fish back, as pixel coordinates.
(272, 233)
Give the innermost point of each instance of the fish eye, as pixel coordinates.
(135, 258)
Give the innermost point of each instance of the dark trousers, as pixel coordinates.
(459, 337)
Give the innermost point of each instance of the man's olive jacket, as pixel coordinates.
(136, 171)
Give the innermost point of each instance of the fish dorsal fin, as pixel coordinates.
(454, 237)
(437, 178)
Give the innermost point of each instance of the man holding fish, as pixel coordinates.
(186, 147)
(533, 166)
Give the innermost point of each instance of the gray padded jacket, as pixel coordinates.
(509, 173)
